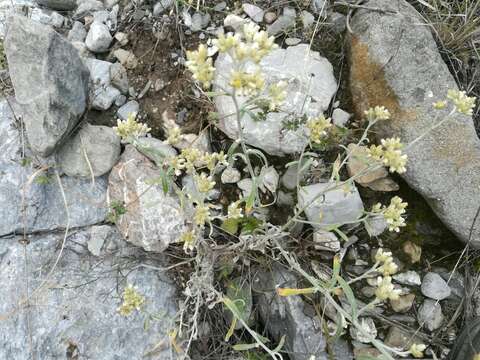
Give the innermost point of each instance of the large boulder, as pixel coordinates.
(68, 310)
(151, 219)
(94, 150)
(50, 82)
(311, 85)
(33, 200)
(394, 62)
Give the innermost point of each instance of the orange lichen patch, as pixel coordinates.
(370, 88)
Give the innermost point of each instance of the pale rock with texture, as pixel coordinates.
(52, 90)
(328, 205)
(286, 315)
(98, 38)
(102, 94)
(73, 305)
(32, 206)
(152, 219)
(254, 12)
(77, 33)
(130, 108)
(395, 62)
(430, 315)
(119, 77)
(93, 151)
(434, 287)
(311, 85)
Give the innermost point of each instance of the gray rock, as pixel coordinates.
(340, 117)
(337, 21)
(156, 150)
(399, 339)
(87, 7)
(94, 150)
(47, 17)
(285, 315)
(220, 6)
(246, 185)
(269, 179)
(120, 100)
(199, 21)
(307, 19)
(318, 6)
(270, 17)
(430, 315)
(230, 175)
(103, 93)
(254, 12)
(326, 240)
(403, 304)
(161, 6)
(411, 278)
(131, 107)
(77, 33)
(396, 63)
(285, 199)
(283, 23)
(376, 225)
(82, 50)
(73, 309)
(52, 90)
(434, 287)
(98, 38)
(292, 41)
(334, 207)
(64, 5)
(108, 18)
(289, 178)
(306, 95)
(152, 219)
(34, 205)
(368, 325)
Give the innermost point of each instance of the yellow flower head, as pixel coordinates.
(277, 94)
(417, 350)
(132, 300)
(189, 239)
(318, 128)
(377, 113)
(204, 183)
(463, 103)
(130, 128)
(234, 211)
(385, 289)
(200, 65)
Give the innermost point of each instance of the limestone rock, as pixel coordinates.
(93, 149)
(152, 218)
(75, 310)
(98, 38)
(334, 207)
(285, 315)
(434, 287)
(395, 63)
(311, 85)
(52, 90)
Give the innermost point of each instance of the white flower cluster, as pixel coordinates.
(390, 154)
(392, 213)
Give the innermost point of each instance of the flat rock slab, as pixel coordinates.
(152, 219)
(50, 82)
(394, 62)
(73, 310)
(33, 205)
(311, 85)
(93, 151)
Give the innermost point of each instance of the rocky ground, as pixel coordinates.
(91, 261)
